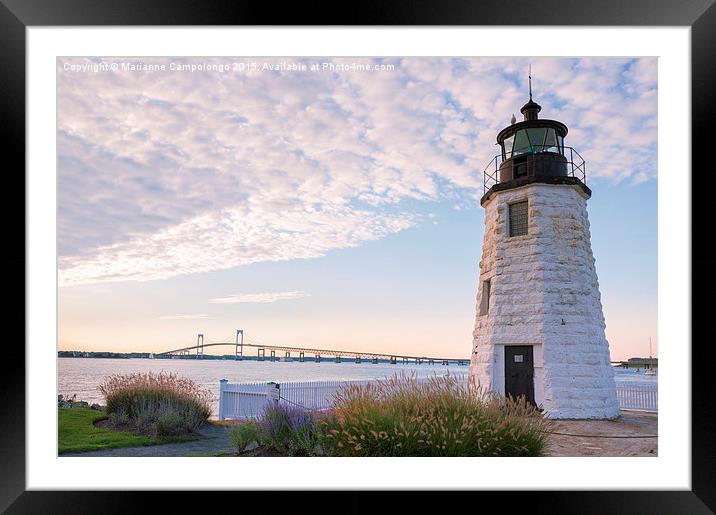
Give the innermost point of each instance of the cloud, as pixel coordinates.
(184, 317)
(259, 298)
(170, 173)
(216, 241)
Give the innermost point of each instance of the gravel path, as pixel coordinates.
(600, 441)
(215, 439)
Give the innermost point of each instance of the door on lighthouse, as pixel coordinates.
(519, 372)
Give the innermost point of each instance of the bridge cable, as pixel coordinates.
(295, 403)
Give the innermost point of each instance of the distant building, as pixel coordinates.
(653, 362)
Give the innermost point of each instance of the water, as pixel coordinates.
(632, 375)
(81, 376)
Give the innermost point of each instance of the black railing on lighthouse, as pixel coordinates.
(539, 160)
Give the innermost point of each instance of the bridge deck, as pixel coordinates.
(318, 352)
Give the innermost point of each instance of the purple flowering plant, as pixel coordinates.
(288, 429)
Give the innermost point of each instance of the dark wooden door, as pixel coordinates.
(519, 372)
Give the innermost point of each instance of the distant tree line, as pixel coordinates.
(101, 354)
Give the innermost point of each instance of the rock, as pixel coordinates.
(97, 407)
(60, 398)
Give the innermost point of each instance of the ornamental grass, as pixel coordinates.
(442, 416)
(158, 404)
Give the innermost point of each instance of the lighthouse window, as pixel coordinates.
(485, 300)
(536, 138)
(518, 218)
(550, 143)
(522, 144)
(507, 147)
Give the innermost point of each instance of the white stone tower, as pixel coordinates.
(539, 329)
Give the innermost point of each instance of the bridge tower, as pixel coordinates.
(539, 326)
(239, 352)
(199, 345)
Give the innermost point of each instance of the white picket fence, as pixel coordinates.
(640, 396)
(242, 400)
(247, 400)
(313, 394)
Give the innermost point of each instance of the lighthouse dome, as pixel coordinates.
(533, 150)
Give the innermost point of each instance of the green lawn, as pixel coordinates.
(77, 433)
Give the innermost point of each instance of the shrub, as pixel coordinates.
(244, 435)
(169, 422)
(440, 417)
(119, 418)
(287, 430)
(157, 404)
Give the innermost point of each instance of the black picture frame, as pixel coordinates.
(17, 15)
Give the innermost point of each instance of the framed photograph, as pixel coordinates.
(246, 242)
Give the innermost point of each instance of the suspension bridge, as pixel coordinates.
(300, 354)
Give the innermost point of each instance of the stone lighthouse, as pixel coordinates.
(539, 328)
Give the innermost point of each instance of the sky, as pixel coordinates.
(333, 206)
